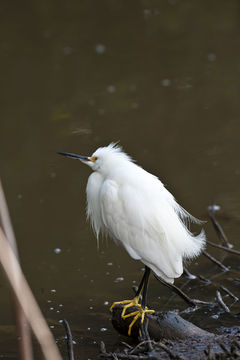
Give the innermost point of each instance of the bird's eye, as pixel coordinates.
(93, 158)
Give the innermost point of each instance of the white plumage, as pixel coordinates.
(134, 208)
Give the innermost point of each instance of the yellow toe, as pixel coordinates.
(136, 314)
(140, 313)
(133, 302)
(119, 302)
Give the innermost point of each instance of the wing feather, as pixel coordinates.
(130, 219)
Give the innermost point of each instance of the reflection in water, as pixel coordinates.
(159, 77)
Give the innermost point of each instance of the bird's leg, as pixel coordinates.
(134, 301)
(142, 307)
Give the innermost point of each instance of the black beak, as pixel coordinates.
(75, 156)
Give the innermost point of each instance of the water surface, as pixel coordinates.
(161, 77)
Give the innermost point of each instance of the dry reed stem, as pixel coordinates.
(27, 301)
(23, 330)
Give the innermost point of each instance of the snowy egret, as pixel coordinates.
(134, 208)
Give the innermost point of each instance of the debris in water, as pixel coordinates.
(166, 82)
(111, 89)
(100, 48)
(103, 329)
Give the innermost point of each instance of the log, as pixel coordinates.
(161, 325)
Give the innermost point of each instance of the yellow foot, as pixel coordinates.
(133, 302)
(139, 313)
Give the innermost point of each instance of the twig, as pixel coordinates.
(229, 293)
(27, 301)
(188, 275)
(144, 329)
(236, 252)
(207, 352)
(136, 349)
(132, 356)
(189, 301)
(236, 343)
(103, 347)
(217, 227)
(116, 356)
(217, 262)
(206, 280)
(224, 349)
(221, 302)
(170, 353)
(126, 344)
(69, 340)
(25, 344)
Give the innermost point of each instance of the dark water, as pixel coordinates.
(160, 76)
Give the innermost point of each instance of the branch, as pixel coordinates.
(215, 261)
(69, 340)
(25, 344)
(221, 302)
(183, 295)
(235, 252)
(167, 325)
(217, 226)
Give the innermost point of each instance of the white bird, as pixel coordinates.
(133, 207)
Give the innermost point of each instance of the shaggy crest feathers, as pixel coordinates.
(113, 149)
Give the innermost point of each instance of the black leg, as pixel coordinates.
(144, 294)
(144, 284)
(141, 304)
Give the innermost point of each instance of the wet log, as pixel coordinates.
(161, 325)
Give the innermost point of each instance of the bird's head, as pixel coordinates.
(103, 159)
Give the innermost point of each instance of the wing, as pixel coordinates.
(94, 184)
(131, 217)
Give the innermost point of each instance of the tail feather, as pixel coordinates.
(186, 217)
(197, 245)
